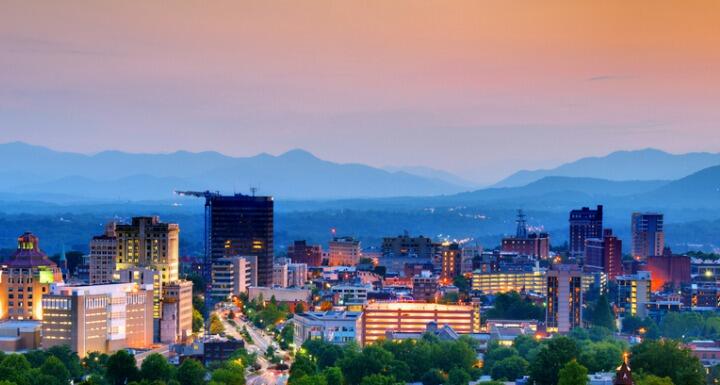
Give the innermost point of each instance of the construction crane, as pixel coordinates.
(198, 194)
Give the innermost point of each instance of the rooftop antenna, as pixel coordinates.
(253, 190)
(522, 231)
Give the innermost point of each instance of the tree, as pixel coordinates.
(377, 379)
(458, 376)
(649, 379)
(287, 335)
(55, 369)
(573, 374)
(216, 326)
(497, 353)
(461, 283)
(512, 306)
(545, 368)
(667, 359)
(299, 308)
(69, 358)
(231, 315)
(15, 368)
(316, 379)
(509, 369)
(601, 356)
(303, 366)
(433, 377)
(602, 314)
(333, 375)
(156, 367)
(230, 373)
(121, 368)
(197, 321)
(526, 344)
(191, 372)
(95, 363)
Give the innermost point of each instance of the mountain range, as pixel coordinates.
(647, 164)
(626, 178)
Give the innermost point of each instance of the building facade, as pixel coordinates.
(334, 327)
(301, 252)
(103, 256)
(633, 293)
(451, 262)
(413, 317)
(176, 324)
(564, 299)
(425, 287)
(406, 246)
(232, 276)
(584, 223)
(648, 235)
(531, 279)
(344, 251)
(147, 242)
(25, 278)
(240, 225)
(605, 253)
(533, 244)
(98, 318)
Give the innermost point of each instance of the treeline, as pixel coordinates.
(427, 360)
(59, 366)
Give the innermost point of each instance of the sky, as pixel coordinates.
(478, 88)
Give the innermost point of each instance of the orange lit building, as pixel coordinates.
(413, 317)
(24, 279)
(451, 263)
(668, 269)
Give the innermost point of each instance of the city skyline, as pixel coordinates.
(349, 83)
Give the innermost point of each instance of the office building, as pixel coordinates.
(20, 336)
(143, 276)
(413, 317)
(633, 293)
(605, 254)
(301, 252)
(280, 275)
(148, 243)
(425, 287)
(240, 225)
(648, 235)
(297, 274)
(334, 327)
(25, 277)
(103, 256)
(404, 246)
(564, 298)
(451, 262)
(533, 244)
(176, 322)
(98, 318)
(584, 223)
(530, 279)
(344, 251)
(351, 293)
(232, 276)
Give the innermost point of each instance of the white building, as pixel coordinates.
(334, 327)
(351, 294)
(297, 274)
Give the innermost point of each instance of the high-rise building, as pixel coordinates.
(344, 251)
(584, 223)
(146, 242)
(24, 279)
(605, 253)
(103, 256)
(98, 318)
(648, 235)
(525, 242)
(407, 246)
(633, 293)
(564, 298)
(176, 323)
(143, 276)
(413, 317)
(240, 225)
(451, 261)
(301, 252)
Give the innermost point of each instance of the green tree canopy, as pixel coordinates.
(573, 374)
(121, 368)
(191, 372)
(667, 359)
(545, 368)
(156, 368)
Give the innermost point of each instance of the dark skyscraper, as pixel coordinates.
(238, 225)
(648, 236)
(584, 223)
(241, 225)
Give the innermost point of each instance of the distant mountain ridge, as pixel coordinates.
(647, 164)
(296, 174)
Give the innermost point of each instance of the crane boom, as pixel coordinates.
(198, 194)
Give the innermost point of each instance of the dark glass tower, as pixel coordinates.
(584, 223)
(240, 225)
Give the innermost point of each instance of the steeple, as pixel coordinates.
(623, 374)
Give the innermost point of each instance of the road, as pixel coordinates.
(259, 345)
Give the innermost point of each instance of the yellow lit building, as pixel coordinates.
(413, 317)
(24, 279)
(503, 282)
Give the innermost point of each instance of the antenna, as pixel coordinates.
(253, 190)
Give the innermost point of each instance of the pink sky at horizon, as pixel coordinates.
(479, 88)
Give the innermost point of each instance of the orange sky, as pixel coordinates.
(479, 88)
